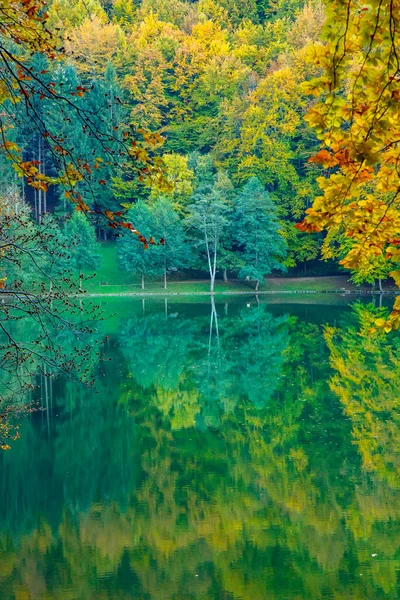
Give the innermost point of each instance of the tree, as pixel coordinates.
(356, 120)
(208, 215)
(257, 233)
(171, 11)
(69, 17)
(239, 10)
(180, 179)
(94, 44)
(174, 251)
(301, 247)
(56, 251)
(137, 256)
(81, 236)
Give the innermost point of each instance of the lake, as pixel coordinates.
(237, 450)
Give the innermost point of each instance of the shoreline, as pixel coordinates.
(236, 293)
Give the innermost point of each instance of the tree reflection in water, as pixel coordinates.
(246, 455)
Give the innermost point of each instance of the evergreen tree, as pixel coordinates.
(56, 258)
(134, 255)
(260, 244)
(81, 237)
(228, 260)
(175, 252)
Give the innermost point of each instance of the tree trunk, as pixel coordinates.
(257, 285)
(210, 262)
(44, 173)
(36, 205)
(40, 191)
(213, 319)
(80, 281)
(142, 281)
(214, 262)
(225, 275)
(165, 279)
(380, 285)
(46, 397)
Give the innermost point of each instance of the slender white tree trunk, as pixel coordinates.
(208, 255)
(44, 193)
(40, 191)
(36, 205)
(215, 260)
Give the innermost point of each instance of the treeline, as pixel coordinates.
(219, 80)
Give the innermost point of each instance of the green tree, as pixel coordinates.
(55, 250)
(133, 254)
(302, 247)
(175, 252)
(208, 216)
(257, 232)
(81, 236)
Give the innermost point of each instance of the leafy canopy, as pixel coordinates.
(357, 120)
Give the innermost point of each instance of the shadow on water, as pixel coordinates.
(232, 450)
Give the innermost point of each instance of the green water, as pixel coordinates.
(230, 454)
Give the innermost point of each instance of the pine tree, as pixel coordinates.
(133, 255)
(260, 244)
(175, 252)
(81, 237)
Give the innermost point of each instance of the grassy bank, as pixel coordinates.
(109, 280)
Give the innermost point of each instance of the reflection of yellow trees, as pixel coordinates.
(181, 406)
(247, 500)
(367, 381)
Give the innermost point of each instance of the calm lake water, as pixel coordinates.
(248, 452)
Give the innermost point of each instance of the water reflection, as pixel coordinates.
(250, 455)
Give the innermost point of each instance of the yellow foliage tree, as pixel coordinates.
(94, 44)
(357, 120)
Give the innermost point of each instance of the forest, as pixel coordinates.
(217, 83)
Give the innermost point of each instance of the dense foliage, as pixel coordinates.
(356, 119)
(217, 80)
